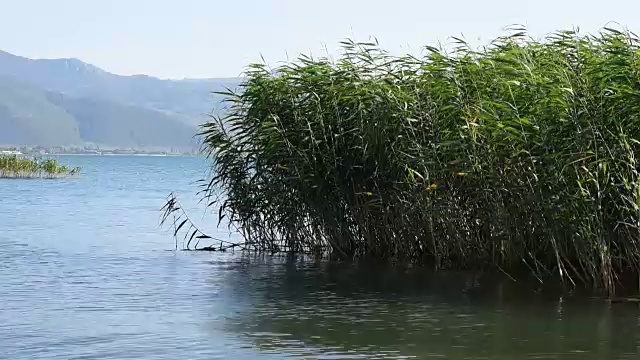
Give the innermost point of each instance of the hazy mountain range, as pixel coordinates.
(66, 102)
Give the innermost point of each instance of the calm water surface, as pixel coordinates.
(85, 273)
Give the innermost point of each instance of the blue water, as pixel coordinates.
(86, 273)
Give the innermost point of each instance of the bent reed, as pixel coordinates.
(517, 155)
(18, 167)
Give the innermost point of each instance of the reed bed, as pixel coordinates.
(18, 167)
(520, 155)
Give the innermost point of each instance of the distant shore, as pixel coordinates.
(116, 154)
(43, 151)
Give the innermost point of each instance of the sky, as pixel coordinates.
(211, 38)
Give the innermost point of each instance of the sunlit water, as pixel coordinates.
(85, 273)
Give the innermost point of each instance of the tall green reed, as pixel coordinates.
(14, 166)
(517, 155)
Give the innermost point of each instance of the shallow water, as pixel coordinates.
(85, 273)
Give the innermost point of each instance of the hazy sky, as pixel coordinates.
(209, 38)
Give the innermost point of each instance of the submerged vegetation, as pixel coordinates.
(18, 167)
(519, 155)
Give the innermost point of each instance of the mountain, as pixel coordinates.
(125, 126)
(192, 98)
(28, 117)
(69, 102)
(32, 116)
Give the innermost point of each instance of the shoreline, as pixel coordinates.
(110, 154)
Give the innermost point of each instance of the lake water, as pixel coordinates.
(85, 273)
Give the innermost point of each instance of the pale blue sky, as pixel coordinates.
(208, 38)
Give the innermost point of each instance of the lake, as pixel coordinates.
(86, 273)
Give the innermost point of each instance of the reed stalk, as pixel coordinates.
(19, 167)
(517, 155)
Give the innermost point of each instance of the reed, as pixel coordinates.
(18, 167)
(517, 155)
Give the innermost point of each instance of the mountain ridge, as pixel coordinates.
(116, 104)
